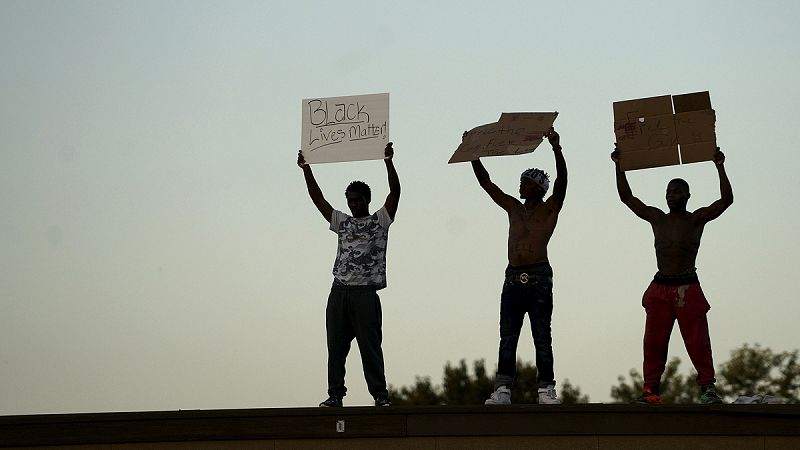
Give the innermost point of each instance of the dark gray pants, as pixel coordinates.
(354, 312)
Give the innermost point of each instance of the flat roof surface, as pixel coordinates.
(400, 422)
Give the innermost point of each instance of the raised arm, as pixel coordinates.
(314, 191)
(648, 213)
(502, 199)
(560, 185)
(715, 209)
(393, 199)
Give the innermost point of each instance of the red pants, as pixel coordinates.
(663, 305)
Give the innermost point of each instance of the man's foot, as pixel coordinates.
(547, 395)
(501, 396)
(709, 395)
(332, 402)
(382, 401)
(649, 397)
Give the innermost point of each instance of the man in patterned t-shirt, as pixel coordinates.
(354, 308)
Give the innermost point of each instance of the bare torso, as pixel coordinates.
(529, 230)
(677, 240)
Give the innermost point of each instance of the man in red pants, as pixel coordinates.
(675, 291)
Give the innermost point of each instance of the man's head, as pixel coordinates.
(533, 184)
(358, 196)
(677, 194)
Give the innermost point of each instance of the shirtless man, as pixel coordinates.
(528, 286)
(675, 291)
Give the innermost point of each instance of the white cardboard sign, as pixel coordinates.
(352, 128)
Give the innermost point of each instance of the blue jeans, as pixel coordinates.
(527, 290)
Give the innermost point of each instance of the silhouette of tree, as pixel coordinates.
(571, 395)
(755, 370)
(459, 387)
(675, 388)
(749, 371)
(422, 392)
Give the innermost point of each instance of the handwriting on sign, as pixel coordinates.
(649, 130)
(655, 130)
(349, 128)
(502, 140)
(340, 122)
(513, 134)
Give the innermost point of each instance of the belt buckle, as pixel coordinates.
(523, 278)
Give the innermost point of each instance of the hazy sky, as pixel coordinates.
(159, 250)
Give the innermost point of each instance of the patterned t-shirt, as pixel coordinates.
(361, 256)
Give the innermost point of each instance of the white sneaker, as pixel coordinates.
(501, 396)
(547, 396)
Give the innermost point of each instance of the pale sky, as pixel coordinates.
(160, 252)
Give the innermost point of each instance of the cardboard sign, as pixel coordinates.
(694, 124)
(650, 135)
(513, 134)
(352, 128)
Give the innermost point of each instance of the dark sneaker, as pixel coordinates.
(332, 402)
(709, 395)
(648, 397)
(382, 401)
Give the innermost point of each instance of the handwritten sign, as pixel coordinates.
(352, 128)
(650, 135)
(512, 134)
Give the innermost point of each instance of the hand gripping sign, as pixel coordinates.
(650, 135)
(513, 134)
(352, 128)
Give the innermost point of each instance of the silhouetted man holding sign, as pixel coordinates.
(354, 308)
(675, 291)
(528, 286)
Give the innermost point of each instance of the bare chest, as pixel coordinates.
(531, 222)
(677, 231)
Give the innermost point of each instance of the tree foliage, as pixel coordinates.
(756, 370)
(459, 387)
(571, 395)
(422, 392)
(750, 370)
(675, 388)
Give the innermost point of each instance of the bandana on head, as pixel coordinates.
(537, 176)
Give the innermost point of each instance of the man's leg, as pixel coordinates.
(340, 335)
(366, 316)
(658, 304)
(693, 324)
(512, 314)
(541, 312)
